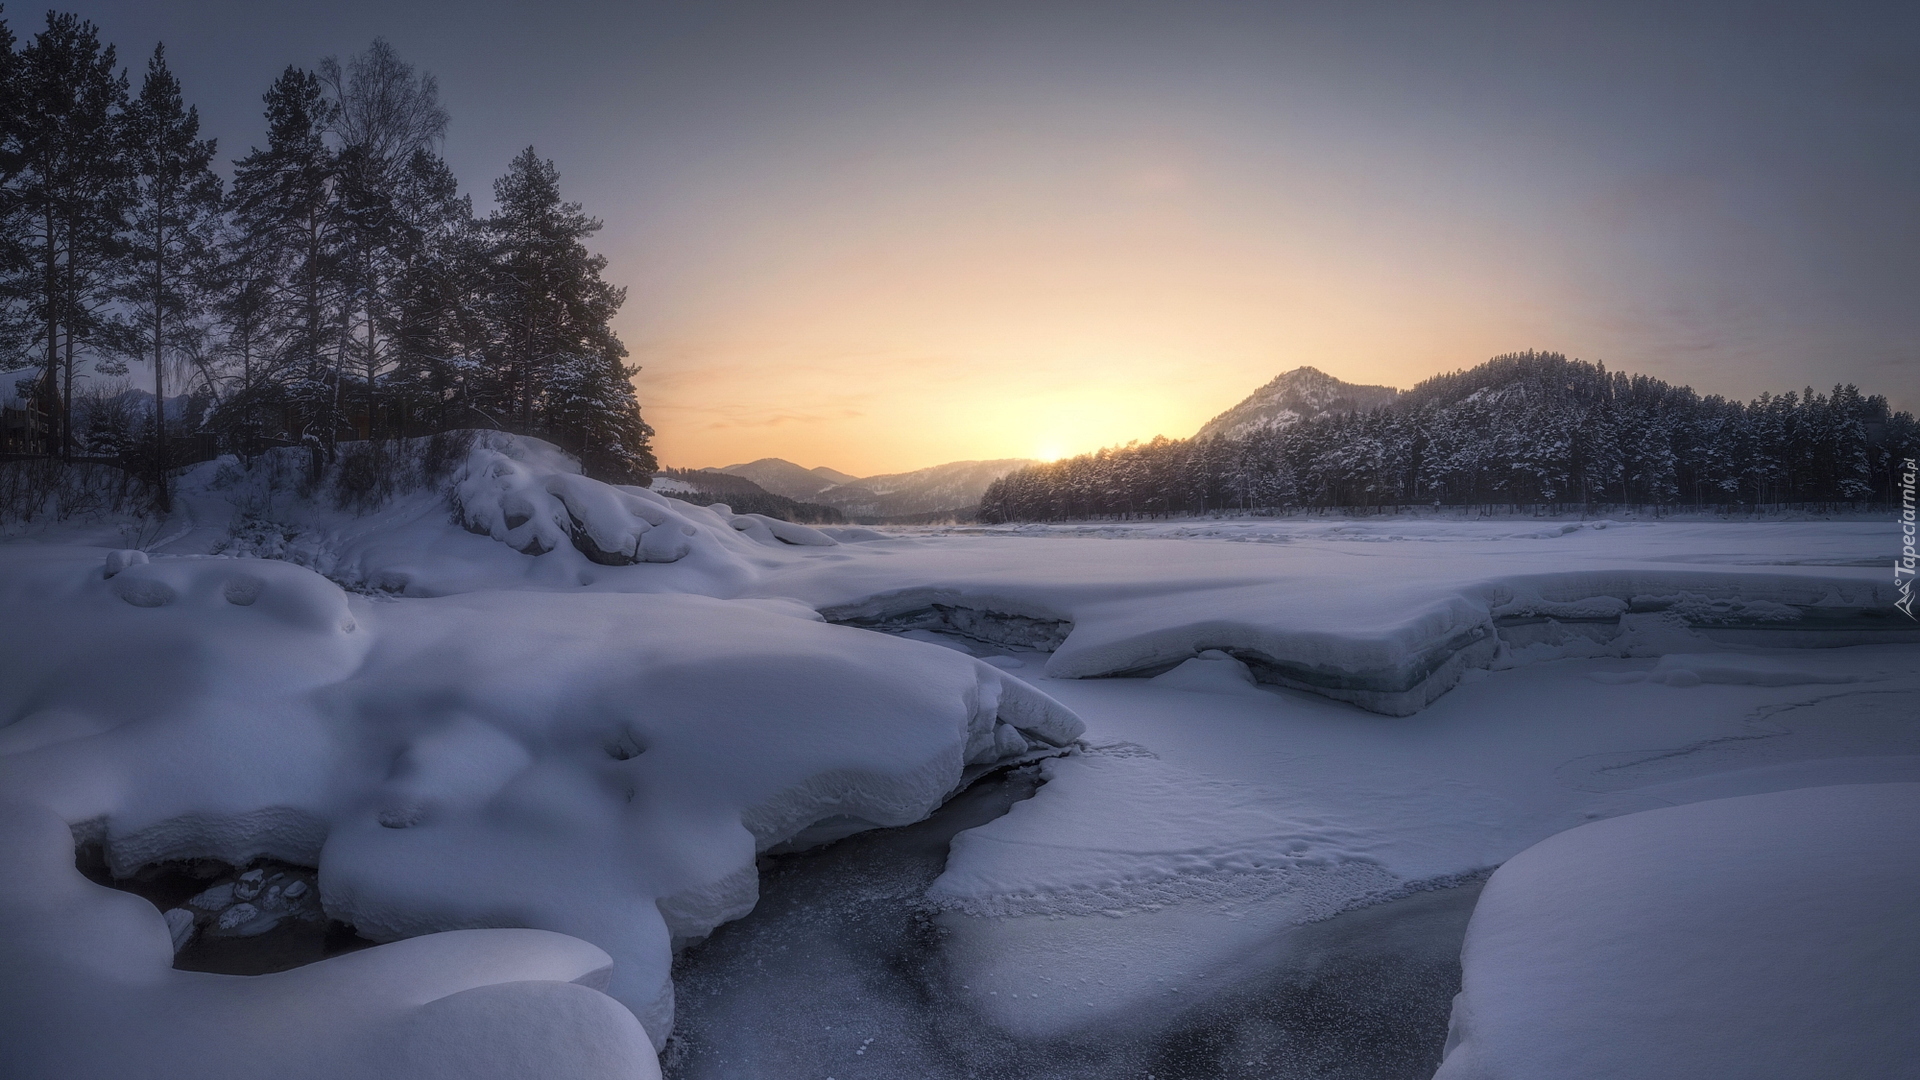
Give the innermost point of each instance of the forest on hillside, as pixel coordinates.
(339, 287)
(704, 487)
(1521, 429)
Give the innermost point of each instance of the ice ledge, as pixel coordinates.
(1409, 658)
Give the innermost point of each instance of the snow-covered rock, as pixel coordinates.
(530, 497)
(181, 926)
(773, 531)
(87, 990)
(606, 765)
(120, 560)
(1763, 936)
(458, 512)
(248, 885)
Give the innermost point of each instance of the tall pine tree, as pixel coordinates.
(564, 366)
(286, 206)
(174, 224)
(388, 122)
(71, 192)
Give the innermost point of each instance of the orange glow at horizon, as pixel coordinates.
(977, 270)
(1048, 317)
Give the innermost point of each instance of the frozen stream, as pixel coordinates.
(1108, 923)
(839, 972)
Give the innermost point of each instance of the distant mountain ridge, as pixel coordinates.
(956, 485)
(704, 487)
(783, 477)
(1303, 394)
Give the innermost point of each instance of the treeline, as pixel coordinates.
(1527, 429)
(340, 287)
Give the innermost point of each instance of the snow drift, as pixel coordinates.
(600, 764)
(87, 990)
(1762, 936)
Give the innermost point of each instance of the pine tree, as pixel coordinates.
(174, 223)
(241, 290)
(16, 261)
(284, 198)
(71, 190)
(392, 191)
(563, 363)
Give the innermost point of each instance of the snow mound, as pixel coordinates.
(604, 765)
(774, 532)
(529, 497)
(88, 990)
(462, 511)
(1754, 937)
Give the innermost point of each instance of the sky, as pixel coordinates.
(883, 235)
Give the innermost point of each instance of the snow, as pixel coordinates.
(1763, 936)
(1388, 620)
(1685, 669)
(535, 506)
(572, 764)
(596, 763)
(587, 748)
(88, 991)
(1205, 831)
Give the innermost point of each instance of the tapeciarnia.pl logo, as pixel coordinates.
(1903, 566)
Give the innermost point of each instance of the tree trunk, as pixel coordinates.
(162, 496)
(52, 298)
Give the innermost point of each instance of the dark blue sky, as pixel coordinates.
(880, 235)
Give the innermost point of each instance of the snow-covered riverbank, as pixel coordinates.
(501, 696)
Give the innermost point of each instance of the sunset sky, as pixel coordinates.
(884, 235)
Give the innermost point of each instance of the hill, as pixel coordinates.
(957, 485)
(1523, 429)
(1303, 394)
(954, 486)
(783, 477)
(704, 487)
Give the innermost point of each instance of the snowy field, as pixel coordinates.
(1237, 786)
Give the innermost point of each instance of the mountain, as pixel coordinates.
(1301, 394)
(957, 485)
(783, 477)
(1523, 429)
(704, 487)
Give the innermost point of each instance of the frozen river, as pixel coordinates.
(607, 779)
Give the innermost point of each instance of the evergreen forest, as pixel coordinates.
(331, 283)
(1526, 429)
